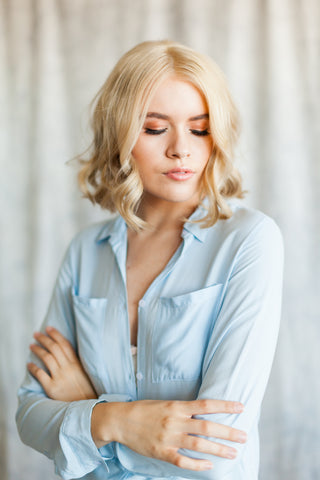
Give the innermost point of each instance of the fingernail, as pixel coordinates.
(242, 437)
(238, 407)
(208, 466)
(232, 454)
(49, 329)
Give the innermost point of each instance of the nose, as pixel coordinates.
(178, 146)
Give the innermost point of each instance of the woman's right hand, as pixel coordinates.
(159, 428)
(66, 379)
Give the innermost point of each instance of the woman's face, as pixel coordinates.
(175, 144)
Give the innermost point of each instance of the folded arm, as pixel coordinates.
(72, 424)
(61, 430)
(240, 352)
(236, 366)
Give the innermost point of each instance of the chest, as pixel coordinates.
(172, 339)
(176, 316)
(146, 259)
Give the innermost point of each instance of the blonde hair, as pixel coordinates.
(109, 177)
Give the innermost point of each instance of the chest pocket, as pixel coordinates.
(181, 333)
(90, 316)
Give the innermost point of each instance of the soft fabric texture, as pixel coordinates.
(208, 326)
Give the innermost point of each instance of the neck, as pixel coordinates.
(163, 215)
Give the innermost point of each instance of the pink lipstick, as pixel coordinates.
(180, 174)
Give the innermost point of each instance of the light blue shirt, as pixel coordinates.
(208, 326)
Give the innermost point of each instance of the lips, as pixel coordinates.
(180, 173)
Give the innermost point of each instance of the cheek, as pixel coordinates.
(141, 157)
(202, 146)
(205, 153)
(142, 150)
(137, 151)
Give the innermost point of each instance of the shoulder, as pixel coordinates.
(247, 223)
(248, 232)
(89, 242)
(88, 247)
(256, 236)
(95, 233)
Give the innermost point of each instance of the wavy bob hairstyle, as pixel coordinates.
(110, 177)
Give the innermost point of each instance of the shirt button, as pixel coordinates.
(142, 303)
(139, 376)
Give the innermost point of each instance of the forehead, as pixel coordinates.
(178, 97)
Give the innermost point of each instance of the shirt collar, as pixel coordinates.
(195, 228)
(116, 228)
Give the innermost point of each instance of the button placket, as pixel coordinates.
(143, 306)
(139, 374)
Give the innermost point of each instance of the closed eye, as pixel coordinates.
(152, 131)
(200, 133)
(155, 131)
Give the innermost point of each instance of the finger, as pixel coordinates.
(63, 342)
(217, 430)
(52, 347)
(202, 445)
(47, 359)
(43, 378)
(207, 406)
(188, 463)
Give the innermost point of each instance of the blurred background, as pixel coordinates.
(55, 54)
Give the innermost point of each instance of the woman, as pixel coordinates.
(185, 274)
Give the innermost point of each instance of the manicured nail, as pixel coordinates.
(208, 466)
(238, 408)
(232, 454)
(242, 437)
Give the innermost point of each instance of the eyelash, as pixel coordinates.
(199, 133)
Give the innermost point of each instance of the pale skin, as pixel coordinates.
(171, 153)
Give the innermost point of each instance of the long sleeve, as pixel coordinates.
(240, 351)
(61, 430)
(217, 303)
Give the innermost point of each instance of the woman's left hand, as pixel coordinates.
(67, 381)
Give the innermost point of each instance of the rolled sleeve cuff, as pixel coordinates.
(79, 454)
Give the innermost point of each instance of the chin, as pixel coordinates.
(174, 194)
(181, 198)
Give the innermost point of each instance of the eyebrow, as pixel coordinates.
(166, 117)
